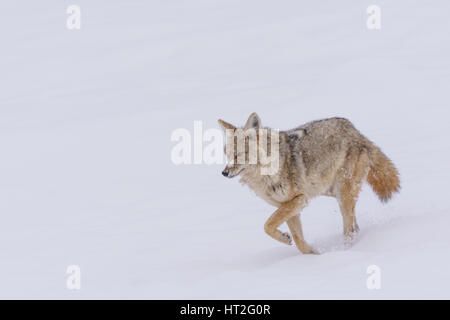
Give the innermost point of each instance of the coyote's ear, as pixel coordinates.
(253, 122)
(225, 125)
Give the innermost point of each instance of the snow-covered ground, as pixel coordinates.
(86, 176)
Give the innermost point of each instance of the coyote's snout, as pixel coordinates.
(326, 157)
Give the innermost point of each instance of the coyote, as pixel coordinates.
(327, 157)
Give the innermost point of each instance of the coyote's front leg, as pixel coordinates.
(295, 226)
(284, 213)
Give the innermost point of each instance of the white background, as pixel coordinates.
(86, 117)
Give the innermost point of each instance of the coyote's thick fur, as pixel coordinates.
(325, 157)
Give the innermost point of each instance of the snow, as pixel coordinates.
(86, 118)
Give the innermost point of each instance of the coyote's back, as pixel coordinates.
(326, 150)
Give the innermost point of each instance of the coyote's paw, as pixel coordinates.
(306, 249)
(349, 240)
(286, 238)
(350, 232)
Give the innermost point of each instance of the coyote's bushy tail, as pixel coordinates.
(382, 176)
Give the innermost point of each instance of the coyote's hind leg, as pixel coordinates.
(349, 182)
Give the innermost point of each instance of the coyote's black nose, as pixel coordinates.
(225, 173)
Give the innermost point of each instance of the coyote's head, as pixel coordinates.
(250, 147)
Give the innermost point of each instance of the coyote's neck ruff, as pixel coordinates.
(325, 157)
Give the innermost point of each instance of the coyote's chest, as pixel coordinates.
(268, 187)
